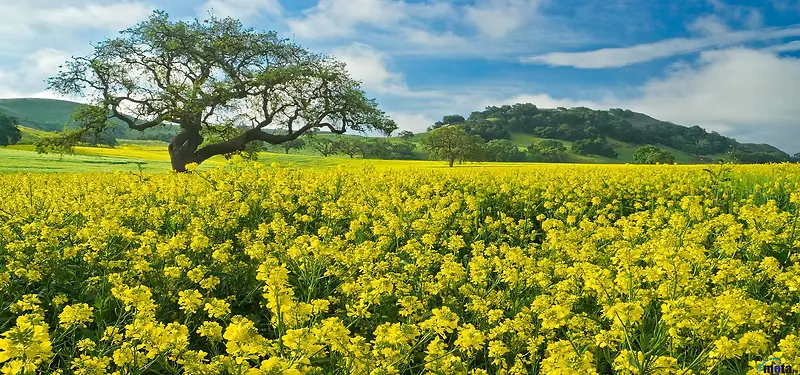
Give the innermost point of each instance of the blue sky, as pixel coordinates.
(728, 66)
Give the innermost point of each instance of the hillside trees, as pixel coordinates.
(548, 151)
(649, 154)
(503, 150)
(596, 146)
(9, 130)
(217, 73)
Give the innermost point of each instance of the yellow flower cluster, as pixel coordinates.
(253, 269)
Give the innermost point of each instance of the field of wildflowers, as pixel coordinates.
(258, 269)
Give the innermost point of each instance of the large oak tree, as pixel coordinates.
(204, 75)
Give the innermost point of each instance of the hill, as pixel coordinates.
(51, 115)
(611, 134)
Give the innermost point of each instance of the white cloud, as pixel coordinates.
(241, 9)
(26, 78)
(752, 94)
(371, 67)
(337, 18)
(625, 56)
(499, 18)
(787, 47)
(29, 18)
(709, 25)
(91, 16)
(35, 33)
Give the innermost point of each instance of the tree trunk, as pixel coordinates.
(182, 149)
(450, 162)
(287, 151)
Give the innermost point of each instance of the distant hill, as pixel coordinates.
(608, 134)
(51, 115)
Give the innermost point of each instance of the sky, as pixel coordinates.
(730, 67)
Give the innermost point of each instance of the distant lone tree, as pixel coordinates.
(9, 130)
(325, 146)
(215, 73)
(452, 143)
(649, 154)
(406, 135)
(349, 146)
(296, 144)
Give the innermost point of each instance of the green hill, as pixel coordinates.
(607, 135)
(41, 114)
(51, 115)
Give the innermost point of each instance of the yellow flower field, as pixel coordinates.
(543, 269)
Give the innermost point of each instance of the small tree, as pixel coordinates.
(503, 150)
(296, 144)
(649, 154)
(215, 72)
(324, 146)
(547, 150)
(9, 130)
(406, 135)
(451, 143)
(349, 146)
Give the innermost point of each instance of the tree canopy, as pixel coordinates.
(201, 75)
(9, 130)
(649, 154)
(452, 143)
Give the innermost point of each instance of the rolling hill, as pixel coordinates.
(52, 115)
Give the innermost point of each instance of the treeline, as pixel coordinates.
(591, 129)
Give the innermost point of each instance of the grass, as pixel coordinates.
(133, 158)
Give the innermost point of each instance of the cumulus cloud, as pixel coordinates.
(749, 94)
(241, 9)
(499, 18)
(23, 19)
(371, 67)
(35, 33)
(337, 18)
(625, 56)
(26, 78)
(709, 25)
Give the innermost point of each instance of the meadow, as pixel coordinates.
(266, 268)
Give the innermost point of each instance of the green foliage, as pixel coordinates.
(547, 150)
(406, 135)
(325, 146)
(62, 143)
(93, 126)
(503, 150)
(452, 143)
(350, 146)
(296, 144)
(649, 154)
(595, 146)
(9, 130)
(448, 120)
